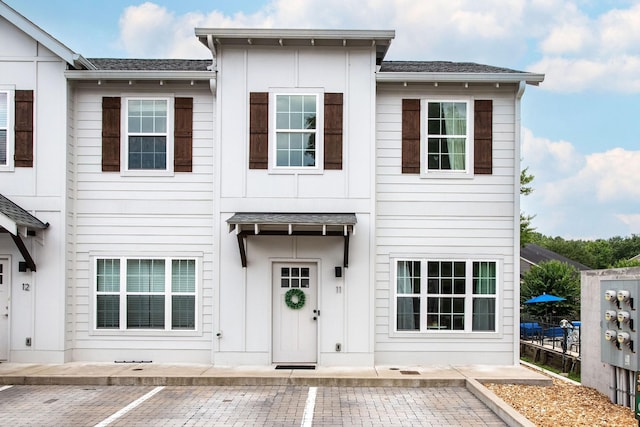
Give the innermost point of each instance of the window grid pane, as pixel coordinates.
(183, 275)
(108, 275)
(145, 312)
(484, 278)
(145, 275)
(484, 314)
(147, 134)
(183, 314)
(4, 120)
(108, 312)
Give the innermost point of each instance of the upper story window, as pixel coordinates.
(296, 130)
(147, 135)
(446, 295)
(446, 139)
(6, 143)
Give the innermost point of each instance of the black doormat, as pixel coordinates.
(295, 366)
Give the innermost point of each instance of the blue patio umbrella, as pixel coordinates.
(544, 298)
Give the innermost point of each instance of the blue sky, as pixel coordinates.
(581, 130)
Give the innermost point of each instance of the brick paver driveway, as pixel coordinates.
(241, 406)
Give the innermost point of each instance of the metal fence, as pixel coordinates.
(557, 333)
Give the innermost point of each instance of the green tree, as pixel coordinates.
(621, 263)
(555, 278)
(526, 229)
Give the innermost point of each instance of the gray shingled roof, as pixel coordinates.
(536, 254)
(18, 215)
(293, 218)
(115, 64)
(440, 67)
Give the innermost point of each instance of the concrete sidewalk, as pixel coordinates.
(78, 373)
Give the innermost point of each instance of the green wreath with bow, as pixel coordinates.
(295, 299)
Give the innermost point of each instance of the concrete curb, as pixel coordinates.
(499, 407)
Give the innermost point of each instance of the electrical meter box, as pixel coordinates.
(619, 323)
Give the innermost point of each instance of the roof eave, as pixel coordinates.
(428, 77)
(38, 34)
(139, 75)
(271, 33)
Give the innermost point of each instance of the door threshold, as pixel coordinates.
(308, 367)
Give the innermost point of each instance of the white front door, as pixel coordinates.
(295, 325)
(5, 282)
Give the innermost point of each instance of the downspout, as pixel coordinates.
(213, 83)
(516, 229)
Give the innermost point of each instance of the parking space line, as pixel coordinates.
(5, 387)
(307, 416)
(129, 407)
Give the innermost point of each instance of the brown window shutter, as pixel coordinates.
(483, 137)
(333, 113)
(259, 130)
(110, 134)
(183, 135)
(410, 136)
(23, 156)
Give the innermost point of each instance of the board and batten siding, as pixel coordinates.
(141, 216)
(442, 219)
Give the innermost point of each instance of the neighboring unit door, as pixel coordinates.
(4, 308)
(295, 330)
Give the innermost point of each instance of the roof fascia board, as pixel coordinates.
(269, 33)
(408, 77)
(37, 33)
(8, 224)
(138, 75)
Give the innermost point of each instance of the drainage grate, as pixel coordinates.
(410, 372)
(311, 367)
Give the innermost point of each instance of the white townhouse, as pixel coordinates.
(295, 199)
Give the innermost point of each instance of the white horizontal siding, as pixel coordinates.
(441, 218)
(140, 216)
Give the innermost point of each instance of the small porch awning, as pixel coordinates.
(292, 224)
(17, 221)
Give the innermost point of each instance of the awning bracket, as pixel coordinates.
(31, 265)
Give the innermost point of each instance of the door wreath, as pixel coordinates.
(295, 299)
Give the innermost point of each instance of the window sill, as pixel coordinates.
(147, 173)
(447, 175)
(296, 171)
(136, 333)
(432, 333)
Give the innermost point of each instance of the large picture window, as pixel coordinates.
(157, 293)
(447, 136)
(296, 130)
(458, 296)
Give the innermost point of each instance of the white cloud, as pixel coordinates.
(576, 194)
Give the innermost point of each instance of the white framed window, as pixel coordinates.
(6, 129)
(445, 295)
(297, 131)
(146, 294)
(447, 144)
(148, 135)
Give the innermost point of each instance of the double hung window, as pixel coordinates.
(447, 136)
(148, 145)
(444, 295)
(296, 130)
(147, 294)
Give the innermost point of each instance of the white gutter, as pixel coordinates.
(268, 33)
(138, 75)
(425, 77)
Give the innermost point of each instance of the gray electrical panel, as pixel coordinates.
(619, 320)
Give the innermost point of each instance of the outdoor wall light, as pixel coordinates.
(338, 271)
(610, 315)
(623, 296)
(610, 295)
